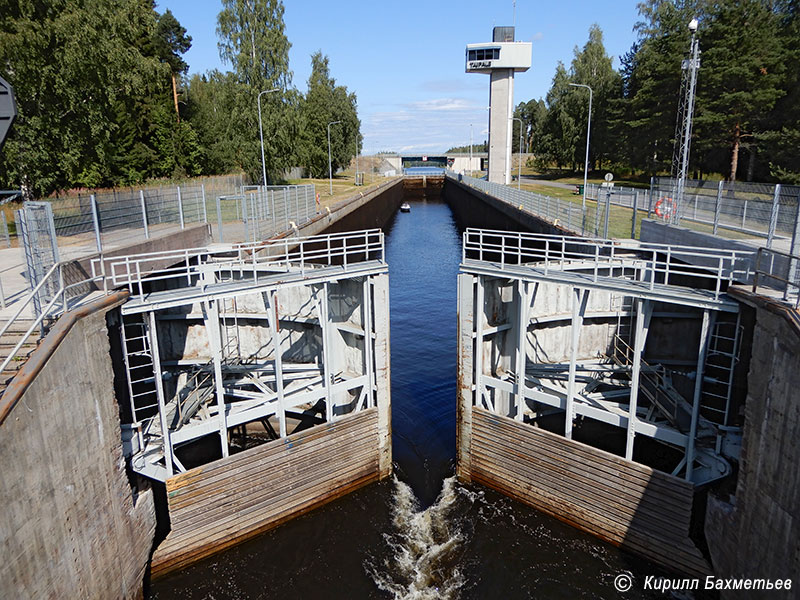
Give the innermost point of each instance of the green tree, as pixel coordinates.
(533, 115)
(170, 43)
(252, 39)
(593, 66)
(560, 131)
(324, 103)
(741, 75)
(644, 121)
(779, 141)
(71, 63)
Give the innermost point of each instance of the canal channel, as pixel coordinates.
(419, 534)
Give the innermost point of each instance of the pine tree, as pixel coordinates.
(741, 74)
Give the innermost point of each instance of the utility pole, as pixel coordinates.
(586, 163)
(330, 168)
(261, 132)
(519, 164)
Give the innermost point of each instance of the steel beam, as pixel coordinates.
(322, 308)
(162, 410)
(580, 299)
(478, 356)
(367, 324)
(272, 309)
(380, 287)
(212, 324)
(698, 388)
(524, 295)
(644, 310)
(466, 313)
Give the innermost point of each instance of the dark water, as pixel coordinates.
(420, 535)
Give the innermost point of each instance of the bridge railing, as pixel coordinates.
(780, 271)
(663, 264)
(301, 254)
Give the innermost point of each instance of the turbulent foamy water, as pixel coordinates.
(425, 546)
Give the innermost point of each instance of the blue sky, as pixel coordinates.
(405, 60)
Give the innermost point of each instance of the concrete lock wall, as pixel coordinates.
(70, 524)
(753, 531)
(473, 208)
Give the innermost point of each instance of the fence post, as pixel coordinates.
(773, 218)
(650, 198)
(744, 213)
(180, 206)
(633, 218)
(245, 220)
(144, 214)
(205, 211)
(608, 210)
(219, 219)
(5, 231)
(718, 206)
(793, 250)
(96, 220)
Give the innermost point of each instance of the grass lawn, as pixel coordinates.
(619, 223)
(343, 186)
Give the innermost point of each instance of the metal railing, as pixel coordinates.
(757, 209)
(662, 264)
(554, 209)
(91, 222)
(289, 254)
(778, 270)
(64, 297)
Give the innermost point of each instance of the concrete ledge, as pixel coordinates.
(663, 233)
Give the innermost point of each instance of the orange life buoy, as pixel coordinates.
(664, 207)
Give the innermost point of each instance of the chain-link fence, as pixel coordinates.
(258, 212)
(98, 221)
(563, 212)
(767, 211)
(602, 217)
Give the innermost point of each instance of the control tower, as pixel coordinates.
(500, 58)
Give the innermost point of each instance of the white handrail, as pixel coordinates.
(29, 298)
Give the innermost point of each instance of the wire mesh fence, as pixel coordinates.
(598, 219)
(768, 211)
(565, 213)
(100, 220)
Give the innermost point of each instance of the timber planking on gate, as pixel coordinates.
(627, 504)
(226, 502)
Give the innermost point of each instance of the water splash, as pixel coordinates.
(425, 548)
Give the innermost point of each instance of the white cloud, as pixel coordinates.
(442, 104)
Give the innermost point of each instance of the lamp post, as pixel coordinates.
(261, 132)
(470, 149)
(519, 165)
(330, 168)
(586, 164)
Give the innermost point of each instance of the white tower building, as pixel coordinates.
(500, 59)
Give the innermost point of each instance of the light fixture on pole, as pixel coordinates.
(330, 168)
(519, 165)
(261, 132)
(470, 148)
(586, 163)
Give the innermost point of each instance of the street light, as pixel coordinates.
(330, 168)
(586, 164)
(261, 131)
(519, 166)
(470, 149)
